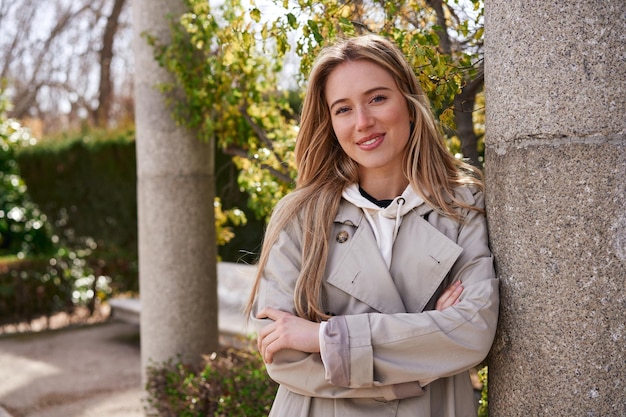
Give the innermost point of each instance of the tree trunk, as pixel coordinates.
(463, 117)
(464, 101)
(445, 45)
(105, 90)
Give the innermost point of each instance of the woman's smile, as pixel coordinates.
(372, 141)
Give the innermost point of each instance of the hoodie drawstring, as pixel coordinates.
(400, 202)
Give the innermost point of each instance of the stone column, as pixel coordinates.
(555, 82)
(177, 252)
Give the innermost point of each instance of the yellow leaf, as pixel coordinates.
(255, 14)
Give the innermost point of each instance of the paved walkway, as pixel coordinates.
(92, 370)
(89, 371)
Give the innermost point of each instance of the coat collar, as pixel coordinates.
(422, 257)
(350, 214)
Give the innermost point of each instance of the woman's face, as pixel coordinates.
(370, 117)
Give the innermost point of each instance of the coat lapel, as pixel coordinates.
(422, 258)
(356, 265)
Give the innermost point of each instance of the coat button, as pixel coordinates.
(342, 236)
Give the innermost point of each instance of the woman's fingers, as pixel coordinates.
(450, 296)
(286, 332)
(266, 335)
(268, 345)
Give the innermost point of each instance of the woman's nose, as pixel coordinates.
(363, 119)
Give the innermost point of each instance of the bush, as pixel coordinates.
(85, 184)
(233, 382)
(24, 229)
(38, 277)
(35, 287)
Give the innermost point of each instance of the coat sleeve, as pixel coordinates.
(424, 346)
(304, 373)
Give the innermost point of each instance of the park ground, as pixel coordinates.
(79, 367)
(89, 365)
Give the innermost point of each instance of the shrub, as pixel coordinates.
(232, 382)
(24, 229)
(39, 275)
(85, 182)
(35, 287)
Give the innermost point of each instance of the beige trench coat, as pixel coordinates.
(391, 353)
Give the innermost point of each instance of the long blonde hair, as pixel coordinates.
(324, 169)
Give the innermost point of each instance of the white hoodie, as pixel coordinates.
(386, 221)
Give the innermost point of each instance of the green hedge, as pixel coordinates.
(85, 184)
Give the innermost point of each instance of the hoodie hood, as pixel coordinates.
(385, 222)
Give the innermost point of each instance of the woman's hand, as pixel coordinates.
(450, 296)
(287, 332)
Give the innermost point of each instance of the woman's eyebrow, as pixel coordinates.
(365, 93)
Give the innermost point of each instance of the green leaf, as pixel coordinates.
(479, 33)
(255, 14)
(292, 20)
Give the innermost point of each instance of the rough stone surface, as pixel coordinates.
(177, 254)
(558, 234)
(176, 267)
(556, 69)
(556, 204)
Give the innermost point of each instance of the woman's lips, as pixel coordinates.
(371, 141)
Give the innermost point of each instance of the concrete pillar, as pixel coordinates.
(177, 252)
(555, 82)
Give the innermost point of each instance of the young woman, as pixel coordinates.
(376, 290)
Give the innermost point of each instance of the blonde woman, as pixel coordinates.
(376, 290)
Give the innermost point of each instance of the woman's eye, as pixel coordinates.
(378, 99)
(342, 110)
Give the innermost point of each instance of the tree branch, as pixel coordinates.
(105, 90)
(476, 84)
(260, 133)
(236, 151)
(463, 109)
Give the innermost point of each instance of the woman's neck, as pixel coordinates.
(383, 188)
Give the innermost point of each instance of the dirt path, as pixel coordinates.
(91, 371)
